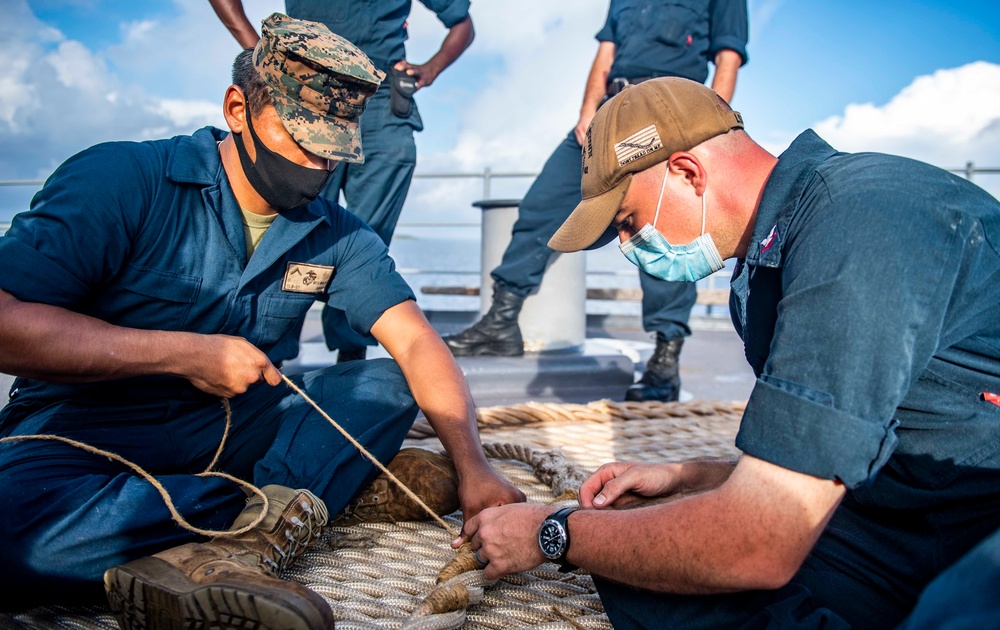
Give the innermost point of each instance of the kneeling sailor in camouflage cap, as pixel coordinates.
(150, 280)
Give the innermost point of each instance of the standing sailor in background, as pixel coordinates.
(641, 39)
(374, 191)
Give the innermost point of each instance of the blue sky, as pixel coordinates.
(917, 78)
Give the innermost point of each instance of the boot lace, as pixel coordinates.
(302, 526)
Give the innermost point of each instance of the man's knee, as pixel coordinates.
(384, 378)
(374, 384)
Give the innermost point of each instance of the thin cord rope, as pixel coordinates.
(180, 520)
(451, 530)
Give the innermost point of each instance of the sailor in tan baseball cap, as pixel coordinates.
(642, 127)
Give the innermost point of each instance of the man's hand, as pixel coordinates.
(583, 124)
(484, 488)
(424, 73)
(226, 366)
(620, 485)
(455, 42)
(506, 537)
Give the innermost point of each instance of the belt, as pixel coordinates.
(617, 84)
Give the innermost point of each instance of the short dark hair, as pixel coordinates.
(246, 77)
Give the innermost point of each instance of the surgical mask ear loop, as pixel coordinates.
(703, 211)
(659, 200)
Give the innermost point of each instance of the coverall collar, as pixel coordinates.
(781, 195)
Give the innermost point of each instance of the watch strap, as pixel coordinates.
(562, 516)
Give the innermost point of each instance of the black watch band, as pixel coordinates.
(553, 538)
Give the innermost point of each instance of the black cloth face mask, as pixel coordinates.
(282, 183)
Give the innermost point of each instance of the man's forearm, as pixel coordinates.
(727, 66)
(458, 39)
(751, 533)
(234, 18)
(597, 79)
(52, 343)
(439, 389)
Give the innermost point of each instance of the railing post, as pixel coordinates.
(554, 317)
(970, 170)
(487, 176)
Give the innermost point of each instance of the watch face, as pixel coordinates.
(552, 540)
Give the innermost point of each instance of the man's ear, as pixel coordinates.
(687, 165)
(234, 106)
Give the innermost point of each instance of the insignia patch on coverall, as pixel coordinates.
(306, 278)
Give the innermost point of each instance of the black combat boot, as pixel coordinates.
(661, 380)
(496, 334)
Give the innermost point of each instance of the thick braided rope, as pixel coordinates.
(598, 411)
(461, 582)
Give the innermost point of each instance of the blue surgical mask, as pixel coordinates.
(649, 250)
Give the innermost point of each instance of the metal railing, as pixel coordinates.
(487, 175)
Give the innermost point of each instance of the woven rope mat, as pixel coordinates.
(375, 575)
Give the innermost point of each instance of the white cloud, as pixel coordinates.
(533, 97)
(57, 96)
(76, 68)
(945, 118)
(189, 114)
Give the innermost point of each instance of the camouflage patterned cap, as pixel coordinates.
(319, 84)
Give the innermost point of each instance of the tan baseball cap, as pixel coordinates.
(640, 127)
(319, 83)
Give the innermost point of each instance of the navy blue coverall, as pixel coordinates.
(375, 190)
(652, 38)
(149, 235)
(868, 308)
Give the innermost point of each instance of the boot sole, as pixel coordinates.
(490, 350)
(151, 594)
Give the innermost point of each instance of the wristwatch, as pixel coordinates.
(553, 538)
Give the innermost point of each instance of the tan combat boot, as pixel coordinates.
(228, 582)
(430, 476)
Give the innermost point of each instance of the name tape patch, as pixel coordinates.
(306, 278)
(640, 143)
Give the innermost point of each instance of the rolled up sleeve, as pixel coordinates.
(858, 319)
(729, 28)
(785, 426)
(450, 12)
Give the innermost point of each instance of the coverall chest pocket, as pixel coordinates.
(947, 433)
(279, 314)
(675, 24)
(152, 299)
